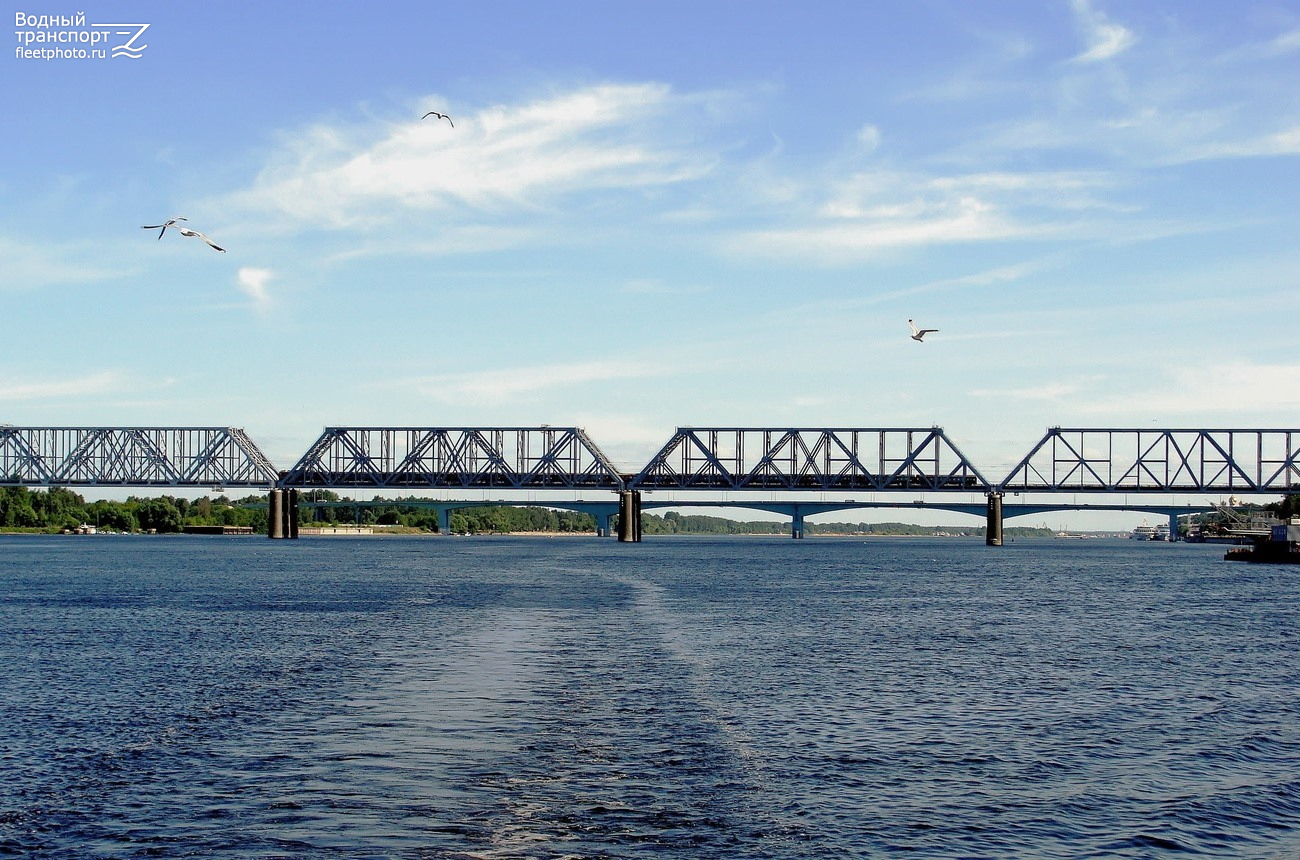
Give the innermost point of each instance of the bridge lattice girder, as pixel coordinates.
(832, 459)
(1133, 460)
(454, 457)
(132, 457)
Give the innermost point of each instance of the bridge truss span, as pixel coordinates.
(132, 457)
(454, 458)
(828, 459)
(1160, 461)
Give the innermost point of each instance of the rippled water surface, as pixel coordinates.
(697, 698)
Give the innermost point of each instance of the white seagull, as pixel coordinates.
(439, 116)
(183, 230)
(919, 333)
(162, 228)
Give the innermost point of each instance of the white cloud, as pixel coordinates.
(869, 137)
(628, 441)
(252, 282)
(868, 213)
(104, 382)
(1046, 391)
(32, 264)
(1105, 39)
(1285, 142)
(506, 158)
(496, 386)
(1286, 43)
(451, 239)
(1239, 389)
(908, 225)
(1281, 45)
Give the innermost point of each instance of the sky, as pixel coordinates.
(645, 215)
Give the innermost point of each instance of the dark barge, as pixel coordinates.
(1282, 546)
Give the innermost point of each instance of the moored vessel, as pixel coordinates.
(1282, 546)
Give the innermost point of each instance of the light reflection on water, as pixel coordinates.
(692, 697)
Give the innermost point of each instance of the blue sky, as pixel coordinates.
(659, 214)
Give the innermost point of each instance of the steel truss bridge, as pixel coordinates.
(132, 457)
(746, 461)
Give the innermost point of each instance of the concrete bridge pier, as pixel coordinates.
(291, 513)
(993, 527)
(282, 515)
(275, 515)
(796, 523)
(629, 516)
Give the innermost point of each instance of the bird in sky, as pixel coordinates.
(162, 228)
(183, 230)
(919, 333)
(439, 116)
(186, 231)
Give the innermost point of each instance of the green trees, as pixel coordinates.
(60, 509)
(161, 515)
(501, 519)
(16, 508)
(1287, 508)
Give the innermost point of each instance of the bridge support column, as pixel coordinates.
(282, 515)
(1173, 526)
(796, 524)
(291, 514)
(604, 524)
(275, 515)
(444, 521)
(993, 528)
(629, 516)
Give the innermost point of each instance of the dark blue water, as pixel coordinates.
(695, 698)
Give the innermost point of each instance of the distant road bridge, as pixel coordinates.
(743, 463)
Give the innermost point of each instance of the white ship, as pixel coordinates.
(1150, 532)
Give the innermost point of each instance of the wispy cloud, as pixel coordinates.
(1284, 43)
(501, 159)
(869, 138)
(1048, 391)
(967, 220)
(1104, 38)
(1280, 143)
(33, 264)
(104, 382)
(874, 214)
(1238, 389)
(496, 386)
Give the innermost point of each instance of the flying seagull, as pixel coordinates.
(186, 231)
(162, 228)
(919, 333)
(439, 116)
(183, 230)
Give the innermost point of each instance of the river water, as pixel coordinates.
(500, 697)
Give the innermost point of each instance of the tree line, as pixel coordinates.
(673, 522)
(60, 509)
